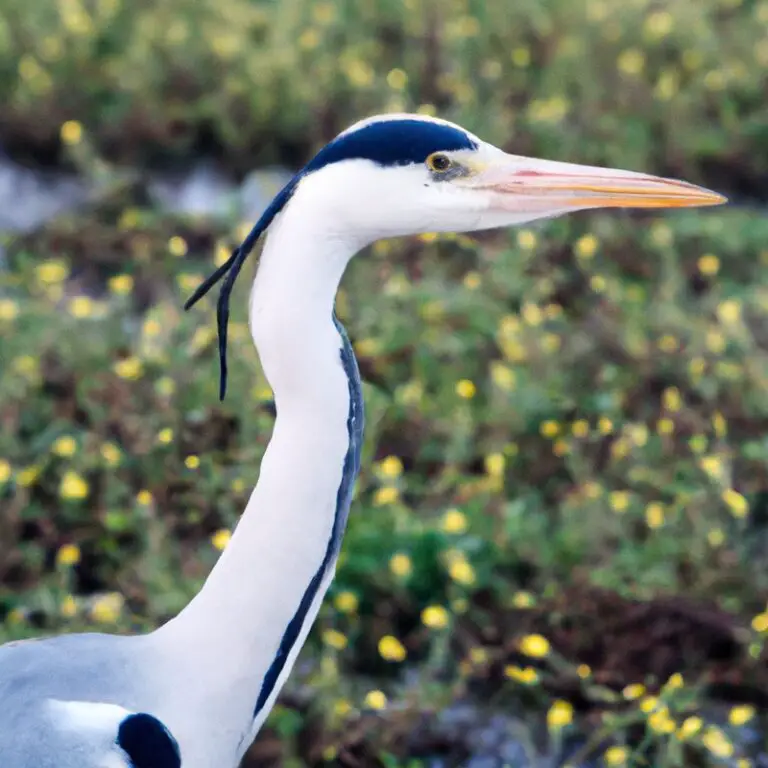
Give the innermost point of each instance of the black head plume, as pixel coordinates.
(230, 269)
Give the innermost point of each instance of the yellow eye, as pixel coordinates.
(438, 162)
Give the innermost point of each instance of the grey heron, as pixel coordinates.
(195, 692)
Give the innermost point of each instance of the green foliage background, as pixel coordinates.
(560, 418)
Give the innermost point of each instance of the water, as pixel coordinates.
(31, 197)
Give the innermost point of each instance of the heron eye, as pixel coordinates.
(438, 162)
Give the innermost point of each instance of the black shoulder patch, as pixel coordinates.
(392, 143)
(148, 743)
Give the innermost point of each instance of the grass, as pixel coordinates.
(562, 503)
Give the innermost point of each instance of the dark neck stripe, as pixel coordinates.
(355, 425)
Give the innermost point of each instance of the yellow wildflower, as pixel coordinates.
(221, 254)
(68, 555)
(81, 307)
(536, 646)
(549, 429)
(586, 246)
(660, 721)
(671, 399)
(709, 264)
(144, 497)
(502, 376)
(165, 386)
(375, 700)
(64, 446)
(466, 389)
(454, 521)
(342, 707)
(472, 281)
(111, 454)
(619, 501)
(400, 564)
(616, 756)
(192, 462)
(719, 424)
(461, 571)
(525, 675)
(165, 435)
(129, 368)
(633, 691)
(740, 715)
(604, 425)
(5, 471)
(654, 515)
(526, 239)
(391, 649)
(494, 464)
(52, 272)
(717, 742)
(521, 56)
(435, 617)
(106, 609)
(390, 467)
(178, 246)
(397, 79)
(73, 486)
(665, 426)
(335, 639)
(71, 132)
(729, 312)
(668, 343)
(387, 494)
(68, 607)
(28, 476)
(9, 310)
(559, 715)
(523, 599)
(675, 682)
(715, 537)
(736, 502)
(760, 622)
(121, 285)
(221, 538)
(631, 61)
(597, 283)
(658, 24)
(690, 727)
(712, 465)
(580, 428)
(346, 602)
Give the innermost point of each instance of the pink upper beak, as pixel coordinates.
(530, 184)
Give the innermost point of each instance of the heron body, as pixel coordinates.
(194, 693)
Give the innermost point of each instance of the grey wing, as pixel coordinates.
(58, 709)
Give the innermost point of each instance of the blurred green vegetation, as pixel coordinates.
(562, 503)
(677, 86)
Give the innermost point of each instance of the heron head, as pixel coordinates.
(404, 174)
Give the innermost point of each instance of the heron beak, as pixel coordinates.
(527, 184)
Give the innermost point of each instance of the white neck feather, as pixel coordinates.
(236, 626)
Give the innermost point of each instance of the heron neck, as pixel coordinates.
(251, 617)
